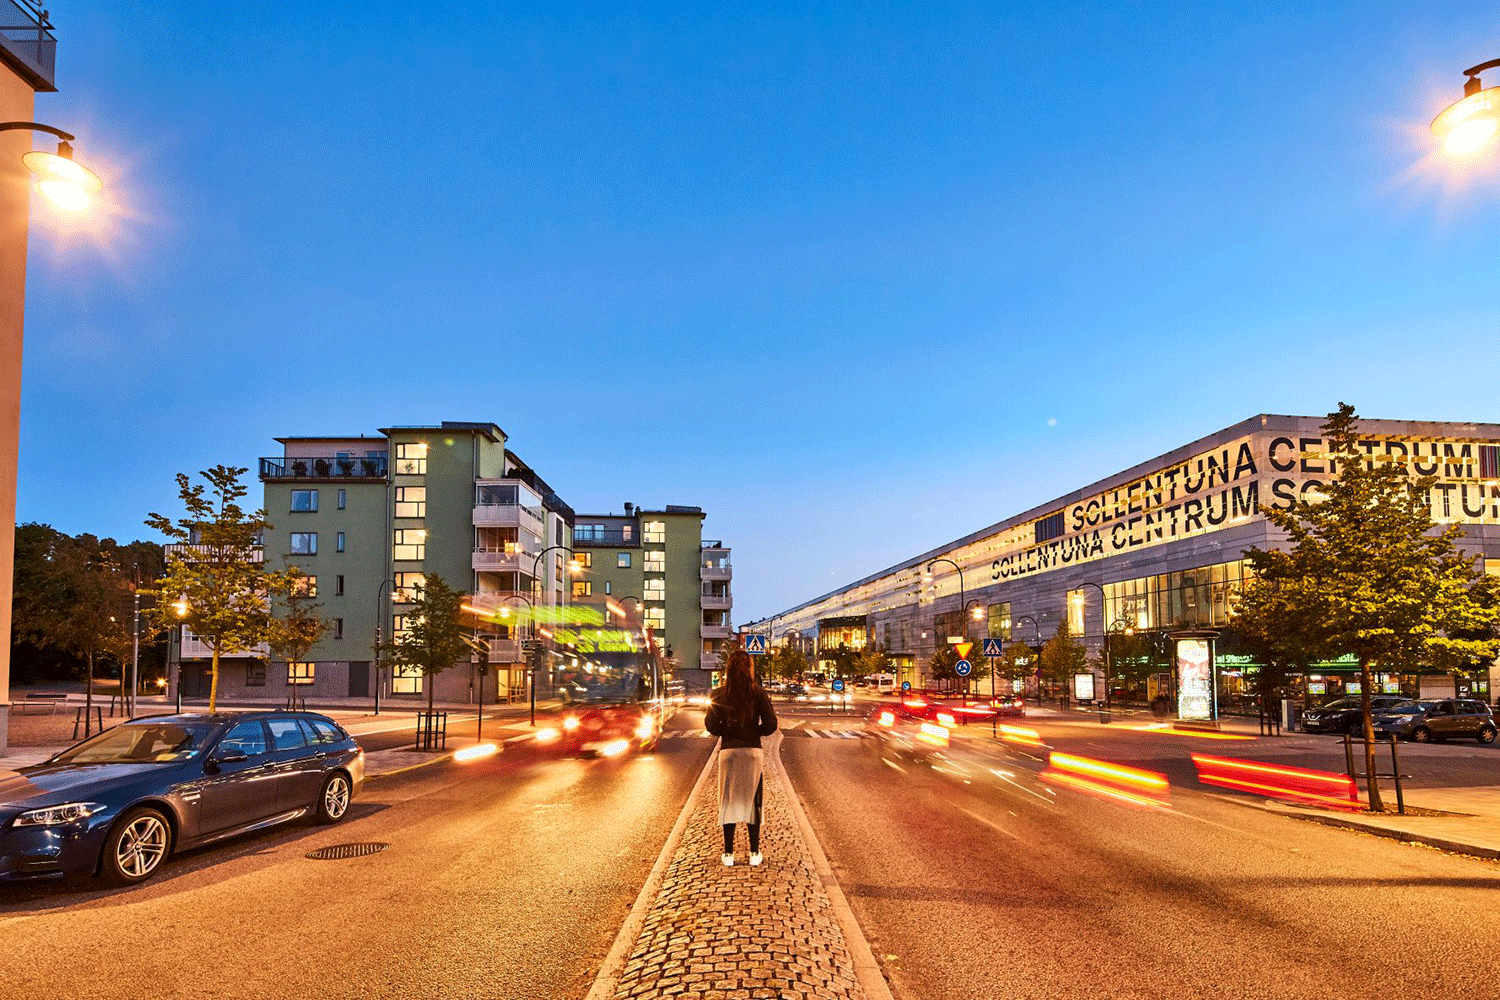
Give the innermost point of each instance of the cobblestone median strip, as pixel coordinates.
(741, 933)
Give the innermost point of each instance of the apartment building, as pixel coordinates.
(368, 518)
(655, 564)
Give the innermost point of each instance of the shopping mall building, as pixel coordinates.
(1159, 549)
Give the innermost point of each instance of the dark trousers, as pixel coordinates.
(754, 828)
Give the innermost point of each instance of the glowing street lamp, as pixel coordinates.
(1471, 123)
(62, 181)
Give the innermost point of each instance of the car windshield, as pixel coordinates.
(625, 687)
(1343, 704)
(140, 743)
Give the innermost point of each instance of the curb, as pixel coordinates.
(1401, 836)
(866, 969)
(412, 767)
(607, 981)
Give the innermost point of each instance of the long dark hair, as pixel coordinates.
(740, 690)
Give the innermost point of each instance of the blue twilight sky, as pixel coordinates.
(856, 279)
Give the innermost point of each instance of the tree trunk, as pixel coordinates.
(213, 684)
(88, 697)
(1373, 784)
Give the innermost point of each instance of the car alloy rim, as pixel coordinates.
(336, 798)
(142, 846)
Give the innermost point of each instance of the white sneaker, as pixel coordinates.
(728, 860)
(755, 859)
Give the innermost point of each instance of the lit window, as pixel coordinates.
(655, 531)
(585, 560)
(409, 545)
(656, 561)
(406, 680)
(407, 586)
(411, 501)
(305, 585)
(305, 501)
(304, 543)
(411, 459)
(655, 590)
(299, 673)
(623, 560)
(656, 618)
(583, 588)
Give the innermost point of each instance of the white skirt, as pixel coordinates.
(739, 777)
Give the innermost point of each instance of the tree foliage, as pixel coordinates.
(940, 666)
(297, 623)
(437, 635)
(216, 583)
(784, 663)
(1367, 572)
(1062, 656)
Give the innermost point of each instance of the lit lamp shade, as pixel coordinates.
(63, 182)
(1468, 125)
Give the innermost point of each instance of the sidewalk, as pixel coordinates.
(739, 933)
(1470, 824)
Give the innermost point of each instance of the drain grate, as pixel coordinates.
(339, 852)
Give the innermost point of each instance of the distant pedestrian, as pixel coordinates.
(740, 715)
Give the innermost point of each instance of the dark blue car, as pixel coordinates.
(119, 804)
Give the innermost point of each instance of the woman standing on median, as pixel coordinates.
(740, 715)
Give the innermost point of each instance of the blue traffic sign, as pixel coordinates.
(906, 685)
(838, 684)
(755, 644)
(962, 668)
(992, 648)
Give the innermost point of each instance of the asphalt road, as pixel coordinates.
(506, 877)
(971, 878)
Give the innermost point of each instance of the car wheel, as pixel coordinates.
(1422, 734)
(333, 803)
(1486, 734)
(136, 847)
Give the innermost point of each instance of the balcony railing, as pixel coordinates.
(324, 467)
(28, 42)
(714, 631)
(714, 545)
(712, 571)
(608, 538)
(507, 515)
(719, 601)
(510, 559)
(194, 648)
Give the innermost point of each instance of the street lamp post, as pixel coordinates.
(1036, 641)
(379, 626)
(927, 575)
(180, 607)
(62, 181)
(530, 654)
(1472, 122)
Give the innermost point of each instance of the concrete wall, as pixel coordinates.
(16, 104)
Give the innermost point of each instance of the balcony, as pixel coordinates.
(28, 45)
(318, 467)
(715, 571)
(506, 651)
(194, 648)
(508, 515)
(504, 559)
(612, 538)
(712, 601)
(715, 631)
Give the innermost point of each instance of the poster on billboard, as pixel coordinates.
(1083, 687)
(1195, 680)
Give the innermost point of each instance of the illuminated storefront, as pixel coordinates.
(1159, 548)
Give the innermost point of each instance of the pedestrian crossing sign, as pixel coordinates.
(992, 647)
(755, 644)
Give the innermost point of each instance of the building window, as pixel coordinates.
(409, 545)
(999, 624)
(588, 533)
(655, 561)
(398, 627)
(304, 543)
(411, 459)
(655, 590)
(623, 560)
(338, 545)
(655, 532)
(411, 501)
(255, 674)
(305, 501)
(305, 585)
(406, 680)
(407, 586)
(338, 628)
(1050, 527)
(585, 560)
(299, 673)
(557, 530)
(656, 619)
(338, 585)
(606, 586)
(583, 588)
(343, 498)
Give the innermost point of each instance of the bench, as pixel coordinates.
(38, 699)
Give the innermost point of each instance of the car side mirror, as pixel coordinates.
(227, 757)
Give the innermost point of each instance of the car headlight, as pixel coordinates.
(570, 723)
(58, 815)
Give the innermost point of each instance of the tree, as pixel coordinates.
(298, 627)
(1130, 659)
(436, 635)
(1062, 657)
(216, 583)
(1382, 582)
(1017, 662)
(872, 660)
(1278, 620)
(784, 663)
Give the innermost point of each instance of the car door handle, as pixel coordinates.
(320, 753)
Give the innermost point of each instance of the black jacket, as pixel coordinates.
(760, 722)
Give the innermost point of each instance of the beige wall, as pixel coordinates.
(16, 104)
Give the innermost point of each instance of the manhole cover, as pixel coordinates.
(338, 852)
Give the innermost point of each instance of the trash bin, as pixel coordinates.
(1103, 713)
(1291, 715)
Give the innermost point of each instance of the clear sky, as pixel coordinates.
(855, 279)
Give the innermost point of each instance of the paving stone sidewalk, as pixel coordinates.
(741, 933)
